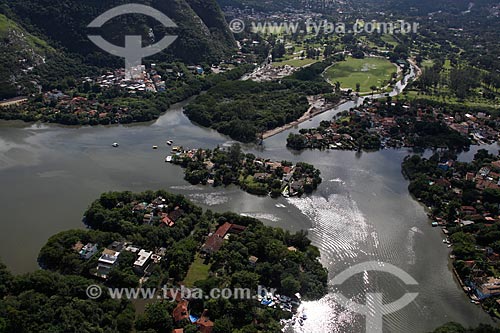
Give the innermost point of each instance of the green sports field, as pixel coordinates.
(367, 72)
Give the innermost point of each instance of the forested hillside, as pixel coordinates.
(203, 36)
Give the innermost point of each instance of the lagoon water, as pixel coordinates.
(361, 212)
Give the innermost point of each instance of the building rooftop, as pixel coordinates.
(143, 258)
(181, 311)
(109, 257)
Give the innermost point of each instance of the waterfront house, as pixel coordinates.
(297, 186)
(486, 287)
(214, 242)
(140, 207)
(78, 246)
(88, 251)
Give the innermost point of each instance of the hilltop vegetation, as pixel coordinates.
(30, 29)
(20, 52)
(203, 33)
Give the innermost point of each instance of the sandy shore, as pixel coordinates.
(13, 101)
(313, 111)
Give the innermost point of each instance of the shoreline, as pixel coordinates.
(13, 101)
(309, 114)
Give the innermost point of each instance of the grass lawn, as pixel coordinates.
(5, 24)
(197, 272)
(295, 62)
(389, 39)
(367, 72)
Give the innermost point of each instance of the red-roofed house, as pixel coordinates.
(166, 221)
(181, 311)
(468, 210)
(214, 242)
(496, 164)
(204, 324)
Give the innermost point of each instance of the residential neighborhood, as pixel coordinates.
(463, 199)
(254, 175)
(379, 125)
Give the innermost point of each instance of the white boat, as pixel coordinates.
(155, 147)
(168, 159)
(170, 142)
(115, 145)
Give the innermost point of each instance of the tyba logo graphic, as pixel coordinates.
(133, 52)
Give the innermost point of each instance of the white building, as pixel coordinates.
(142, 260)
(88, 251)
(106, 262)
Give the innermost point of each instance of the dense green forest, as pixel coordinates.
(202, 29)
(46, 301)
(245, 109)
